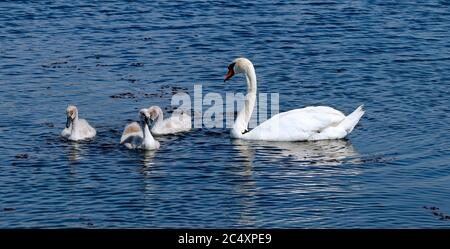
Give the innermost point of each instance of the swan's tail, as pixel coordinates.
(352, 119)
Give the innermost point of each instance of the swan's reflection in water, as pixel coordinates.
(319, 157)
(74, 150)
(246, 189)
(147, 161)
(325, 152)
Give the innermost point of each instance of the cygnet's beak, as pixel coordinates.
(68, 121)
(148, 121)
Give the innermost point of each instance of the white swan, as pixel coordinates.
(138, 136)
(77, 128)
(176, 123)
(306, 124)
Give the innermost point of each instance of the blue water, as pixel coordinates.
(390, 173)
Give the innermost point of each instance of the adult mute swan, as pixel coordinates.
(306, 124)
(176, 123)
(138, 136)
(77, 128)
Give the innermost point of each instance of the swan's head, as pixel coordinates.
(72, 113)
(144, 116)
(239, 65)
(155, 112)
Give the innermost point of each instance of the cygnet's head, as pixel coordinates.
(155, 112)
(144, 116)
(72, 113)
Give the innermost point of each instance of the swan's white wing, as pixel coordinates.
(131, 129)
(174, 124)
(312, 118)
(296, 125)
(66, 132)
(182, 122)
(86, 130)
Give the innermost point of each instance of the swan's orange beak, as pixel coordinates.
(229, 74)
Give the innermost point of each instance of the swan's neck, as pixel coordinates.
(74, 125)
(159, 119)
(244, 115)
(148, 140)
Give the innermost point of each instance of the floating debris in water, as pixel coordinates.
(167, 90)
(148, 95)
(148, 38)
(434, 211)
(129, 78)
(60, 64)
(137, 64)
(377, 159)
(176, 89)
(48, 124)
(22, 156)
(56, 64)
(126, 95)
(164, 91)
(8, 209)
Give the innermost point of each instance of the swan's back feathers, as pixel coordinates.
(86, 129)
(182, 121)
(131, 129)
(133, 137)
(314, 118)
(297, 125)
(174, 124)
(79, 131)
